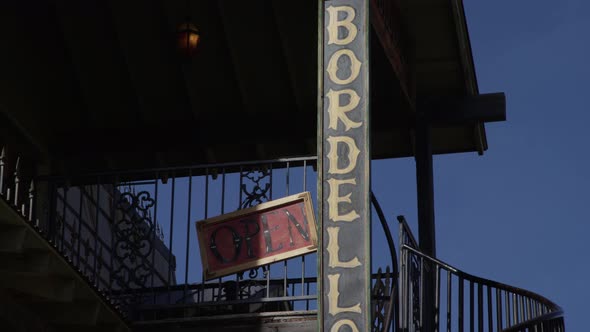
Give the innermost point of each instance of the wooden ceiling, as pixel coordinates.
(98, 84)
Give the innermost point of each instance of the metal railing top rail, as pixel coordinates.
(309, 160)
(391, 311)
(555, 311)
(407, 232)
(387, 232)
(487, 282)
(535, 321)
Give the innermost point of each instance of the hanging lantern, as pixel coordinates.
(188, 39)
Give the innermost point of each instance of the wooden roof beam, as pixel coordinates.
(465, 110)
(257, 55)
(299, 44)
(148, 47)
(101, 67)
(386, 19)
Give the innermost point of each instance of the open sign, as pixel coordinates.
(263, 234)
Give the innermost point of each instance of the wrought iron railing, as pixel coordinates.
(132, 235)
(466, 301)
(133, 232)
(19, 191)
(16, 189)
(109, 228)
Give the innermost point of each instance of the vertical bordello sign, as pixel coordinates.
(345, 167)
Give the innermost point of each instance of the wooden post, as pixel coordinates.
(426, 229)
(425, 187)
(344, 172)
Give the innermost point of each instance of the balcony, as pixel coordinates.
(128, 240)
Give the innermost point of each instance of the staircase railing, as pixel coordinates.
(18, 194)
(466, 301)
(20, 190)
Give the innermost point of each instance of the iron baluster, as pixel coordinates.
(132, 239)
(285, 278)
(79, 231)
(266, 270)
(2, 163)
(305, 175)
(153, 232)
(449, 282)
(471, 307)
(188, 226)
(206, 215)
(437, 300)
(490, 318)
(480, 307)
(302, 275)
(520, 300)
(270, 197)
(461, 299)
(508, 315)
(421, 299)
(171, 230)
(96, 228)
(499, 309)
(287, 179)
(16, 180)
(223, 191)
(515, 309)
(31, 200)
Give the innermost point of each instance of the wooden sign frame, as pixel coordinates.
(247, 231)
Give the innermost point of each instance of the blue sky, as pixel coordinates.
(519, 213)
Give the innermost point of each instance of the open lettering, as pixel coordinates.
(256, 236)
(242, 237)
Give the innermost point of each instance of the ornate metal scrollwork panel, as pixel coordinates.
(134, 233)
(255, 189)
(382, 299)
(255, 186)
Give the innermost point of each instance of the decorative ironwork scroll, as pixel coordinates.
(134, 233)
(382, 300)
(255, 186)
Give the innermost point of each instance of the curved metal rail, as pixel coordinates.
(467, 300)
(391, 314)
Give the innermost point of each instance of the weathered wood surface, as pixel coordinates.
(344, 154)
